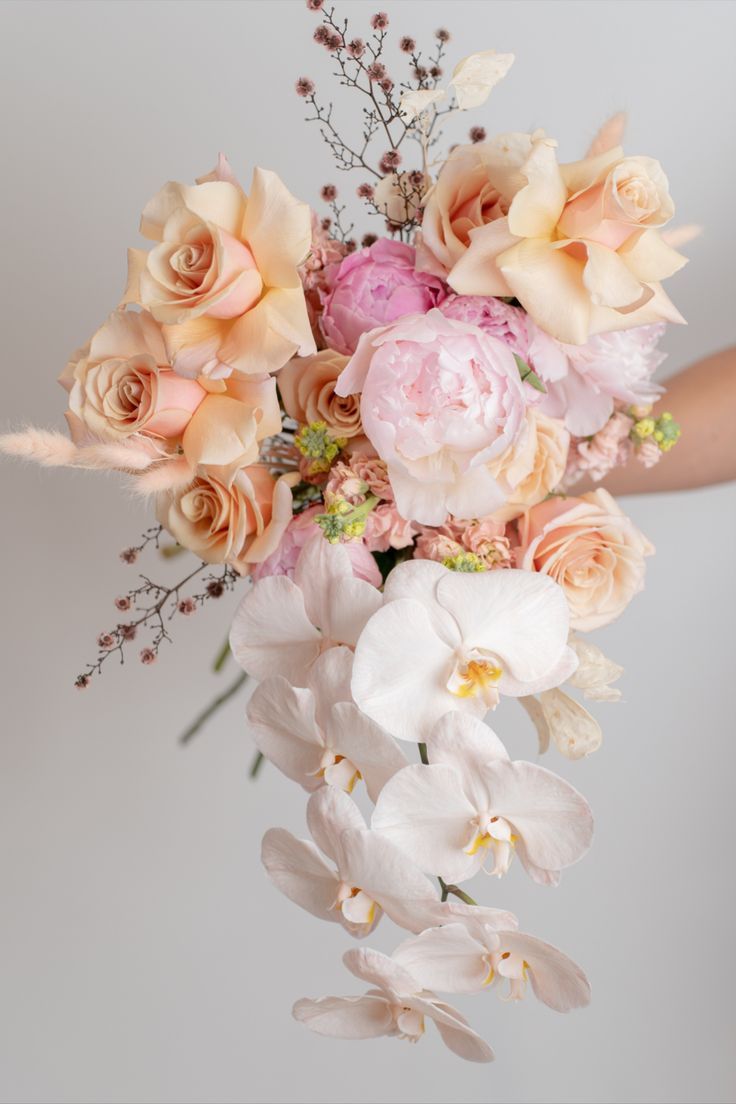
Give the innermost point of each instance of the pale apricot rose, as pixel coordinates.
(307, 386)
(534, 466)
(222, 278)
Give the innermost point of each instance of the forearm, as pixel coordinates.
(702, 398)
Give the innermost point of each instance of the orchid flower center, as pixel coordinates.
(356, 906)
(513, 967)
(409, 1024)
(476, 675)
(495, 834)
(338, 771)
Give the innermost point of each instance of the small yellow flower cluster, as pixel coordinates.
(464, 561)
(343, 521)
(315, 442)
(664, 430)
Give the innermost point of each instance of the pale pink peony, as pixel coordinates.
(374, 287)
(299, 530)
(610, 367)
(440, 400)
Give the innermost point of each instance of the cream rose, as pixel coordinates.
(534, 466)
(591, 549)
(223, 277)
(121, 382)
(238, 522)
(307, 386)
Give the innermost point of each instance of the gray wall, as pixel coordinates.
(143, 955)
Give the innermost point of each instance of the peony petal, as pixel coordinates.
(365, 1017)
(283, 723)
(556, 980)
(271, 633)
(376, 754)
(446, 958)
(425, 813)
(553, 820)
(297, 869)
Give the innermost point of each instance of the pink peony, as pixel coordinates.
(374, 287)
(610, 367)
(440, 399)
(298, 532)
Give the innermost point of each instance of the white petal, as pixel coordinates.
(446, 958)
(351, 604)
(514, 614)
(418, 579)
(415, 103)
(271, 633)
(556, 979)
(376, 754)
(296, 868)
(424, 811)
(595, 671)
(455, 1031)
(475, 76)
(561, 672)
(319, 564)
(371, 862)
(282, 719)
(380, 970)
(401, 670)
(468, 745)
(345, 1017)
(553, 820)
(330, 812)
(329, 681)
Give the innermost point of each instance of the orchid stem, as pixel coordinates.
(221, 657)
(423, 754)
(256, 764)
(456, 892)
(212, 708)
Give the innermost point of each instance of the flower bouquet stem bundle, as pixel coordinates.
(374, 448)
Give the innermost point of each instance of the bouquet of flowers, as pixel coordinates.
(377, 446)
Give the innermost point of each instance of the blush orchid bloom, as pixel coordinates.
(316, 735)
(447, 640)
(398, 1005)
(370, 875)
(470, 956)
(282, 626)
(473, 806)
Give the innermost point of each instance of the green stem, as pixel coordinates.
(456, 892)
(423, 754)
(212, 708)
(221, 657)
(256, 764)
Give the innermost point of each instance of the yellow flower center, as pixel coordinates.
(479, 676)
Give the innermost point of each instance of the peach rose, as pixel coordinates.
(591, 549)
(223, 278)
(307, 386)
(577, 244)
(238, 522)
(121, 382)
(534, 466)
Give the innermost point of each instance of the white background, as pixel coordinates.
(143, 955)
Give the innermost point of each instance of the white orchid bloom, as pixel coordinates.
(417, 102)
(396, 1005)
(469, 956)
(475, 76)
(317, 735)
(369, 876)
(565, 722)
(473, 806)
(447, 640)
(282, 626)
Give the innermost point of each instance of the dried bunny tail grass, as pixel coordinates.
(45, 446)
(677, 236)
(609, 135)
(55, 450)
(169, 475)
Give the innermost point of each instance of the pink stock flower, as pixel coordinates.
(607, 449)
(374, 287)
(385, 528)
(300, 529)
(648, 453)
(318, 273)
(356, 478)
(440, 400)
